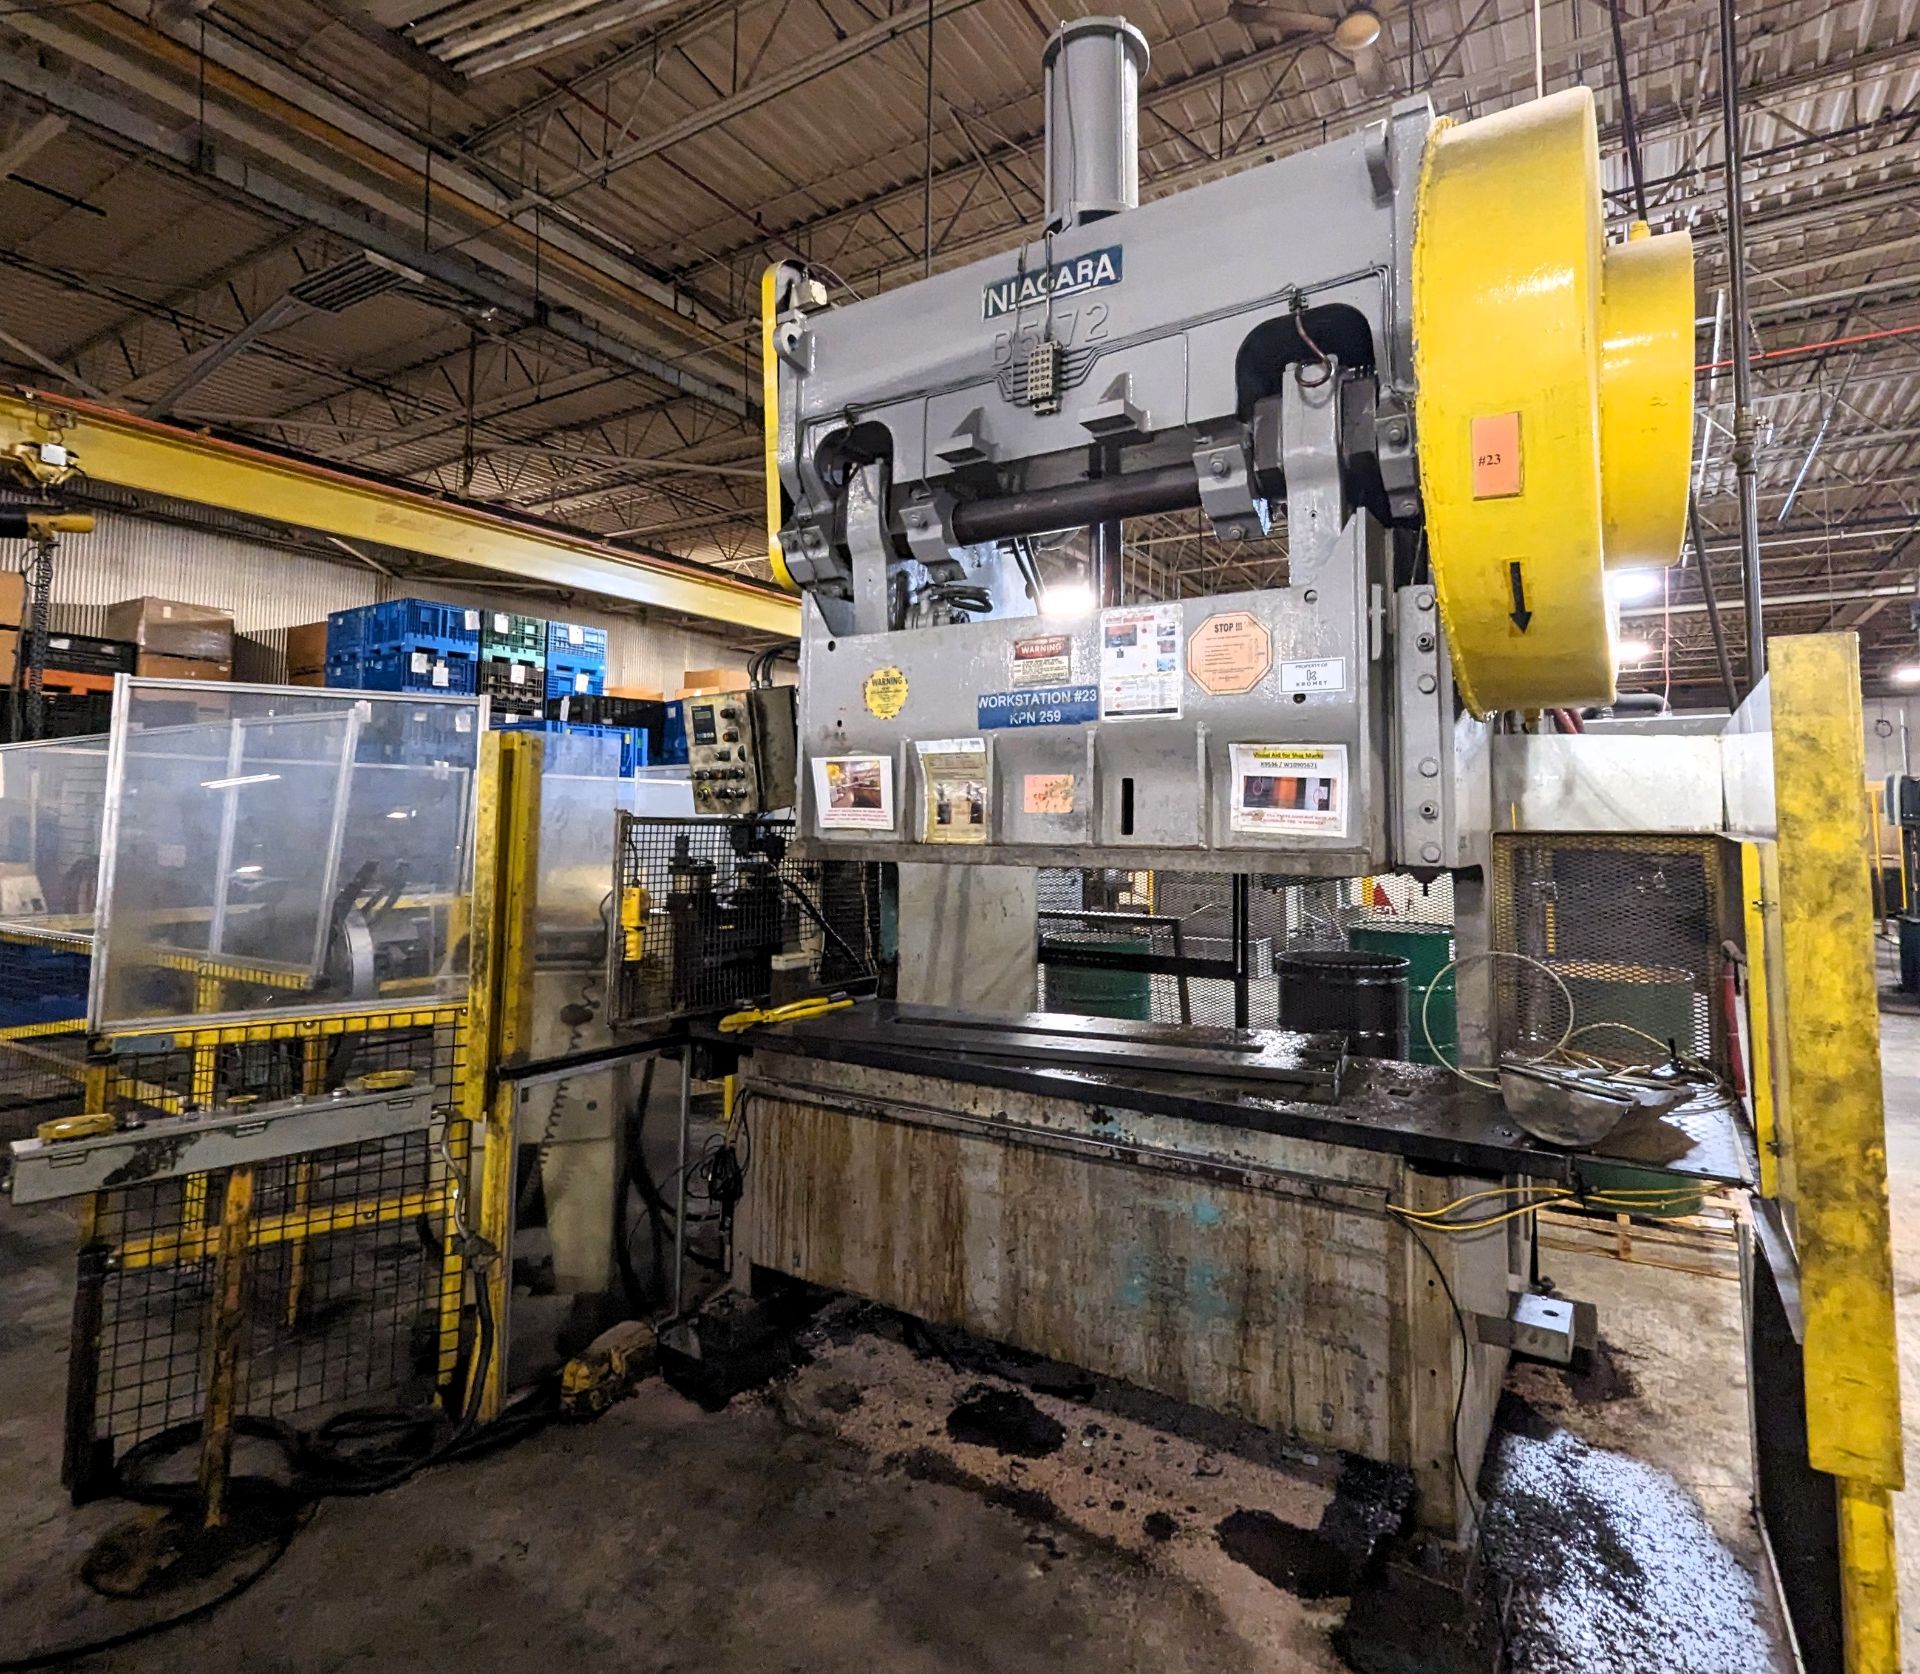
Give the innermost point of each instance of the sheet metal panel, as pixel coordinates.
(1592, 782)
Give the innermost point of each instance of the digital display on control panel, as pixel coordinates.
(704, 726)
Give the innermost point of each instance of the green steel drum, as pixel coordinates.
(1651, 1004)
(1428, 950)
(1680, 1195)
(1124, 994)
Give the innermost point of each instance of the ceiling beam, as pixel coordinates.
(647, 50)
(35, 138)
(247, 179)
(777, 82)
(352, 15)
(328, 145)
(215, 66)
(47, 364)
(1679, 26)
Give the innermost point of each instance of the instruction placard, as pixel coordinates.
(1140, 655)
(954, 772)
(1230, 653)
(853, 792)
(1043, 661)
(1297, 788)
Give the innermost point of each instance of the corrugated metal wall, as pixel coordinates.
(268, 589)
(271, 588)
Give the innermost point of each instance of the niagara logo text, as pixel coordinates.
(1091, 272)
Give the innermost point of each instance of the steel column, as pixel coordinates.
(680, 1179)
(1242, 960)
(226, 1323)
(1744, 464)
(505, 866)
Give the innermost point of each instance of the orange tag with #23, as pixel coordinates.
(1496, 456)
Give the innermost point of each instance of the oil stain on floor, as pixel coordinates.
(1005, 1420)
(1369, 1506)
(1604, 1562)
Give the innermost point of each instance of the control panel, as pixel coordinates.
(742, 749)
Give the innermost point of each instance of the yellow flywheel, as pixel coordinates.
(1554, 403)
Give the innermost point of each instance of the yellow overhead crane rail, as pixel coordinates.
(139, 454)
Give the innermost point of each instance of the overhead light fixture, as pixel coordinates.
(239, 779)
(246, 871)
(1907, 674)
(1631, 651)
(1633, 586)
(1066, 601)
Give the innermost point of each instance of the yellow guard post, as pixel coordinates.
(1839, 1148)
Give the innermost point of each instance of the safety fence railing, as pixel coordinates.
(214, 1280)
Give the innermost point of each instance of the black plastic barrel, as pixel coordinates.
(1339, 990)
(1909, 955)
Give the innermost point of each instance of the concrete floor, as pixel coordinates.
(834, 1523)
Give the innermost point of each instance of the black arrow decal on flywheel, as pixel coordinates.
(1520, 614)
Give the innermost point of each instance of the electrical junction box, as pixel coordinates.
(1536, 1327)
(742, 750)
(1543, 1328)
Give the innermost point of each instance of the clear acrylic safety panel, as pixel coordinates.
(277, 848)
(580, 791)
(52, 802)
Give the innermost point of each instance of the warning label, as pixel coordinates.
(1045, 661)
(885, 693)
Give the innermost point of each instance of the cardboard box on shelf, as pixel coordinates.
(697, 680)
(13, 598)
(9, 655)
(308, 677)
(307, 652)
(646, 694)
(173, 629)
(183, 668)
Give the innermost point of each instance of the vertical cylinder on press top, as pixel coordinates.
(1093, 68)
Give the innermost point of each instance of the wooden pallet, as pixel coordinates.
(1706, 1244)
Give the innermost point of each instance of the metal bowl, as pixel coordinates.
(1561, 1108)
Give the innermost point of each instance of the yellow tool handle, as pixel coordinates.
(740, 1021)
(90, 1126)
